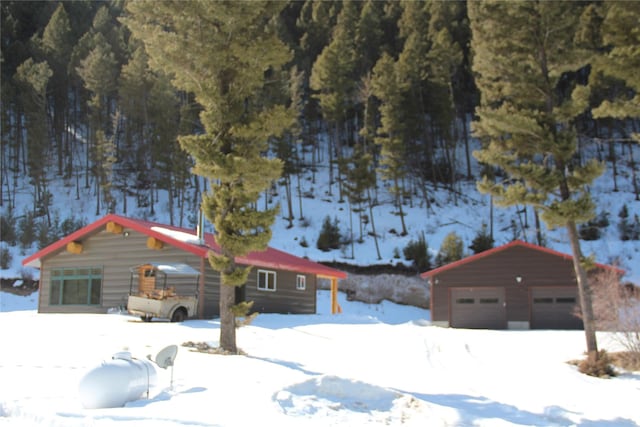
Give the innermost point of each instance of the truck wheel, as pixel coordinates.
(180, 315)
(146, 318)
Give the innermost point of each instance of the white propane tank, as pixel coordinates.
(117, 381)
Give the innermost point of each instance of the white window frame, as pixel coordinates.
(301, 282)
(263, 284)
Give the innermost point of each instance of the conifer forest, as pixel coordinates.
(121, 97)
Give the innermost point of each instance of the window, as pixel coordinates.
(301, 282)
(76, 286)
(488, 300)
(566, 300)
(544, 300)
(465, 301)
(266, 280)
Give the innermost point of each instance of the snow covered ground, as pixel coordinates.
(372, 365)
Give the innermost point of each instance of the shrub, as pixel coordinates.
(628, 230)
(418, 252)
(329, 237)
(452, 249)
(5, 258)
(592, 229)
(616, 309)
(27, 229)
(600, 368)
(483, 241)
(8, 228)
(69, 225)
(45, 235)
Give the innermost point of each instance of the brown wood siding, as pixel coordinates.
(115, 254)
(499, 270)
(517, 300)
(439, 311)
(211, 292)
(286, 298)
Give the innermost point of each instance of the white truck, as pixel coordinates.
(163, 291)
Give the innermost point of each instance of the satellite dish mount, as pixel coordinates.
(166, 357)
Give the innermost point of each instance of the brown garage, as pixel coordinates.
(515, 286)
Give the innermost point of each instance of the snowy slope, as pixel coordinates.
(374, 365)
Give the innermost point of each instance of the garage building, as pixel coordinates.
(516, 286)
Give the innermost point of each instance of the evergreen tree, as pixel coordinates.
(619, 57)
(483, 240)
(451, 249)
(418, 252)
(333, 78)
(222, 53)
(32, 79)
(99, 73)
(522, 52)
(390, 135)
(57, 43)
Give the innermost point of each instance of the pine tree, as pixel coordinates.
(390, 135)
(223, 52)
(57, 44)
(521, 52)
(619, 57)
(333, 79)
(99, 73)
(483, 240)
(32, 79)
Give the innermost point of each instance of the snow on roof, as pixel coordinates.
(177, 235)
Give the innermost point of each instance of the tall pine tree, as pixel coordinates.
(224, 53)
(522, 51)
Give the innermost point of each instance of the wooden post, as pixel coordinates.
(335, 307)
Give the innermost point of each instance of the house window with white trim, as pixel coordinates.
(301, 282)
(266, 280)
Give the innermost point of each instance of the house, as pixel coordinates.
(89, 270)
(515, 286)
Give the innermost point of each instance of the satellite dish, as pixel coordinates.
(166, 356)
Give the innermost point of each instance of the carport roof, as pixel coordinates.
(472, 258)
(187, 239)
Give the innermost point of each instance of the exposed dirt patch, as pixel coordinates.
(17, 286)
(203, 347)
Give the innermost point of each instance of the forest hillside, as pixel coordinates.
(396, 119)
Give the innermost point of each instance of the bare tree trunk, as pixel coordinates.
(539, 236)
(299, 196)
(612, 155)
(373, 223)
(227, 319)
(585, 293)
(465, 135)
(287, 188)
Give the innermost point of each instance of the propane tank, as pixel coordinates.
(117, 381)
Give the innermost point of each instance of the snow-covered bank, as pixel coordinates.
(372, 365)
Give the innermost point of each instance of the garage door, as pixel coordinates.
(478, 308)
(553, 308)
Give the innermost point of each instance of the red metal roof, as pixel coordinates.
(270, 258)
(472, 258)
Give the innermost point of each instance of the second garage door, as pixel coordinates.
(553, 308)
(478, 308)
